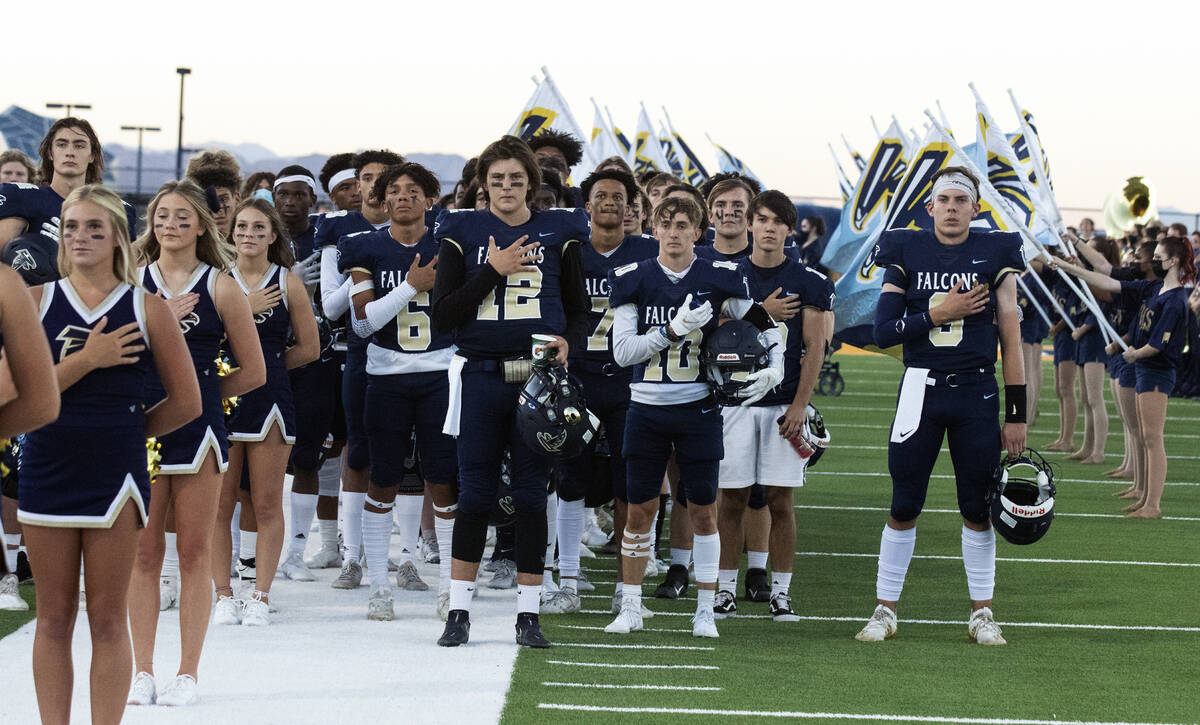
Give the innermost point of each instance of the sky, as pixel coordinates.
(1112, 90)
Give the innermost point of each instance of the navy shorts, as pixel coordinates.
(1114, 365)
(316, 390)
(354, 401)
(1127, 377)
(1090, 348)
(969, 415)
(395, 406)
(692, 430)
(1064, 347)
(1154, 380)
(1034, 329)
(608, 397)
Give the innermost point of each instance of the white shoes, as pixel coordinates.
(629, 619)
(704, 624)
(256, 612)
(563, 601)
(379, 606)
(616, 607)
(408, 578)
(227, 611)
(443, 606)
(593, 535)
(583, 584)
(983, 629)
(142, 691)
(427, 549)
(350, 577)
(181, 691)
(168, 592)
(881, 626)
(10, 596)
(328, 557)
(293, 568)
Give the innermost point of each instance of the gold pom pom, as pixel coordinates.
(225, 368)
(153, 457)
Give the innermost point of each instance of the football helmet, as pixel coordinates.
(552, 416)
(1022, 498)
(34, 256)
(729, 354)
(814, 437)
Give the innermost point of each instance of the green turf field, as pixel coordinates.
(9, 621)
(1101, 616)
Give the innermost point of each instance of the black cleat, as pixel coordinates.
(24, 572)
(675, 584)
(458, 628)
(758, 586)
(529, 632)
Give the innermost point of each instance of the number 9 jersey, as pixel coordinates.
(927, 270)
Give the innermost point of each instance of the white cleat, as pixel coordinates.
(142, 692)
(629, 619)
(594, 535)
(704, 624)
(10, 597)
(379, 606)
(586, 553)
(181, 691)
(326, 558)
(563, 601)
(408, 578)
(293, 568)
(443, 606)
(881, 626)
(227, 611)
(168, 592)
(427, 548)
(616, 607)
(983, 629)
(583, 584)
(351, 576)
(256, 612)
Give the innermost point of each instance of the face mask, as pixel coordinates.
(264, 194)
(1137, 271)
(1159, 271)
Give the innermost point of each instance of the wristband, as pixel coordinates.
(1014, 403)
(670, 334)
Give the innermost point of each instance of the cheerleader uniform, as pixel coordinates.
(1033, 328)
(183, 450)
(81, 469)
(271, 403)
(1064, 346)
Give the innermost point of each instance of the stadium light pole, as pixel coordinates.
(140, 130)
(70, 106)
(179, 146)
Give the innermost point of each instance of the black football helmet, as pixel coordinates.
(34, 256)
(552, 416)
(1022, 498)
(729, 354)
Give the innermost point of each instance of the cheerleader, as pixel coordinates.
(262, 428)
(1090, 358)
(84, 485)
(1034, 330)
(1065, 369)
(185, 264)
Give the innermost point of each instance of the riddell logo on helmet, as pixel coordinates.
(1025, 511)
(728, 357)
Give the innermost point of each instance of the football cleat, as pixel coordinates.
(594, 535)
(458, 628)
(181, 691)
(350, 576)
(10, 598)
(563, 601)
(781, 609)
(881, 626)
(427, 547)
(582, 583)
(443, 605)
(325, 558)
(982, 628)
(758, 586)
(724, 605)
(24, 571)
(293, 568)
(704, 623)
(246, 570)
(227, 611)
(168, 592)
(379, 606)
(408, 578)
(629, 619)
(529, 632)
(505, 576)
(675, 584)
(616, 607)
(142, 691)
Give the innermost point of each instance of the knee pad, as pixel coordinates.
(470, 536)
(472, 500)
(531, 542)
(358, 455)
(530, 500)
(306, 458)
(697, 481)
(758, 497)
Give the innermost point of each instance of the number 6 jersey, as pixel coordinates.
(927, 270)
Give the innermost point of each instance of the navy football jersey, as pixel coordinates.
(710, 252)
(387, 261)
(39, 205)
(1161, 322)
(596, 266)
(815, 290)
(305, 243)
(657, 298)
(334, 225)
(107, 397)
(522, 304)
(929, 270)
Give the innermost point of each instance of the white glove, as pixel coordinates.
(50, 229)
(687, 319)
(309, 269)
(761, 383)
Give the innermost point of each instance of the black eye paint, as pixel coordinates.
(185, 225)
(97, 237)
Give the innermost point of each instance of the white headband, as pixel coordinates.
(297, 177)
(955, 181)
(339, 177)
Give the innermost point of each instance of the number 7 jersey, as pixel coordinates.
(928, 270)
(598, 351)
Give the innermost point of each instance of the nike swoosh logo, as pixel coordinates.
(545, 234)
(978, 261)
(986, 397)
(702, 411)
(701, 294)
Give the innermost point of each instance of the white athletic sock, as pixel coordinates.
(571, 518)
(352, 525)
(781, 581)
(408, 515)
(444, 530)
(170, 565)
(235, 527)
(328, 529)
(707, 552)
(979, 559)
(249, 548)
(461, 593)
(528, 598)
(682, 557)
(633, 595)
(551, 528)
(620, 587)
(895, 553)
(304, 508)
(704, 599)
(727, 580)
(377, 535)
(12, 546)
(756, 559)
(547, 577)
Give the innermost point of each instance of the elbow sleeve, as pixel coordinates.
(892, 327)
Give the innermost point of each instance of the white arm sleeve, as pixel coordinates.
(335, 287)
(736, 308)
(630, 348)
(383, 310)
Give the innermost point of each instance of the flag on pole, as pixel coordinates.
(727, 163)
(859, 161)
(602, 143)
(693, 171)
(547, 109)
(626, 146)
(670, 152)
(648, 153)
(844, 184)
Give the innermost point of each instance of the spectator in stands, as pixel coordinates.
(1087, 228)
(17, 168)
(812, 229)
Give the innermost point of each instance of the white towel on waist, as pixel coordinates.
(912, 400)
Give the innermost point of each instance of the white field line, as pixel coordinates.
(671, 688)
(884, 474)
(955, 511)
(1047, 414)
(633, 646)
(791, 714)
(625, 666)
(674, 614)
(1116, 435)
(884, 448)
(601, 629)
(957, 623)
(1023, 560)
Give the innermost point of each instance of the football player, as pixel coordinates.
(504, 274)
(658, 332)
(728, 205)
(800, 300)
(559, 152)
(948, 295)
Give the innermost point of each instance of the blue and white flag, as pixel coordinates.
(727, 163)
(648, 153)
(603, 143)
(670, 151)
(622, 139)
(547, 109)
(693, 171)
